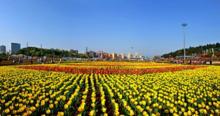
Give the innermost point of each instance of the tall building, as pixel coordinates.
(130, 56)
(15, 47)
(114, 56)
(2, 49)
(122, 56)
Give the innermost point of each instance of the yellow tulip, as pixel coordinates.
(51, 106)
(48, 111)
(7, 111)
(60, 114)
(66, 106)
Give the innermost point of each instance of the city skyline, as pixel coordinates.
(147, 27)
(15, 47)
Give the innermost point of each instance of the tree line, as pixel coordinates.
(208, 49)
(34, 51)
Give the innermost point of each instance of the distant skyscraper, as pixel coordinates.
(2, 49)
(15, 47)
(122, 56)
(130, 56)
(114, 56)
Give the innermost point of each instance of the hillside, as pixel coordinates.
(202, 50)
(34, 51)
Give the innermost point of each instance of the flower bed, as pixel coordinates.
(32, 92)
(75, 70)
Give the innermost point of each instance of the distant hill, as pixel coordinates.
(202, 50)
(34, 51)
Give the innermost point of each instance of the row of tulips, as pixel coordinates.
(123, 65)
(109, 70)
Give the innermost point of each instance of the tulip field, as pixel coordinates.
(110, 89)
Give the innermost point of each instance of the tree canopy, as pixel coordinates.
(207, 49)
(34, 51)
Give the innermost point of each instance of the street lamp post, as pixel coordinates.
(184, 42)
(41, 54)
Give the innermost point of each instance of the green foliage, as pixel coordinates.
(196, 50)
(3, 56)
(34, 51)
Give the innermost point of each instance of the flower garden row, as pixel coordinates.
(124, 65)
(189, 92)
(131, 70)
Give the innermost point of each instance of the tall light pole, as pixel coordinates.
(27, 51)
(132, 50)
(41, 54)
(184, 41)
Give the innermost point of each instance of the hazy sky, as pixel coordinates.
(151, 27)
